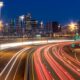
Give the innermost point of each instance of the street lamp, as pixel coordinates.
(1, 5)
(1, 25)
(73, 26)
(21, 23)
(21, 17)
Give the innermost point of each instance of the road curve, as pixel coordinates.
(50, 64)
(44, 62)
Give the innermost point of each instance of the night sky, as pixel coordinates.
(46, 10)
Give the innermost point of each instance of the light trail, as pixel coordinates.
(71, 58)
(9, 45)
(27, 63)
(48, 61)
(67, 64)
(15, 62)
(74, 66)
(76, 57)
(41, 70)
(11, 61)
(60, 71)
(18, 67)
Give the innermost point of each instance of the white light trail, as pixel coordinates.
(14, 62)
(18, 67)
(9, 45)
(17, 54)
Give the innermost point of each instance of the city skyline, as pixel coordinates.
(53, 10)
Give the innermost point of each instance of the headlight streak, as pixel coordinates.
(10, 45)
(15, 57)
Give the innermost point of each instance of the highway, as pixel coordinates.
(39, 62)
(12, 63)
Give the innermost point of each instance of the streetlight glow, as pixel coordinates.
(1, 25)
(21, 17)
(72, 26)
(1, 4)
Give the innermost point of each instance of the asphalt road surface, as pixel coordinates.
(43, 62)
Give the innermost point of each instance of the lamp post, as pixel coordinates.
(1, 5)
(1, 23)
(21, 18)
(21, 23)
(74, 28)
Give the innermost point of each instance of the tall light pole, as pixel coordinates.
(21, 19)
(1, 5)
(74, 28)
(21, 24)
(1, 23)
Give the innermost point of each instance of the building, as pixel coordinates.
(18, 27)
(55, 27)
(28, 25)
(49, 27)
(12, 27)
(6, 29)
(34, 25)
(52, 28)
(27, 22)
